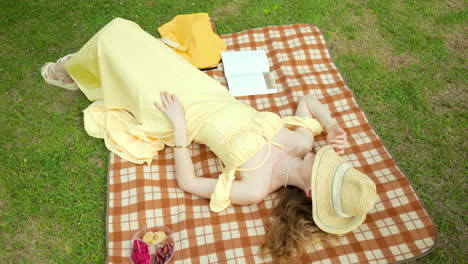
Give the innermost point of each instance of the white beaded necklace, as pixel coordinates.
(289, 169)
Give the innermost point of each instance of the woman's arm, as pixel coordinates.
(184, 170)
(241, 191)
(309, 106)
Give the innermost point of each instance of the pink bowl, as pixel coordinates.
(158, 249)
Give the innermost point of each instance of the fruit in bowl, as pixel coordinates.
(140, 253)
(152, 245)
(154, 238)
(164, 253)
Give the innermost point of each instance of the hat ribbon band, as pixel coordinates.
(336, 188)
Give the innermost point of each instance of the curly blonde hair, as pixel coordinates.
(293, 228)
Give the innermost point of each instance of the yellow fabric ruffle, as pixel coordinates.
(312, 124)
(220, 198)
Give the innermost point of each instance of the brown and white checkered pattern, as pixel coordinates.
(398, 228)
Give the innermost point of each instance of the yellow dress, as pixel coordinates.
(124, 69)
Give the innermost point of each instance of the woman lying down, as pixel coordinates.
(146, 97)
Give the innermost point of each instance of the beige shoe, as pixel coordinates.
(65, 58)
(50, 77)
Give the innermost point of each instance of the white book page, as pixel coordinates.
(247, 84)
(245, 62)
(244, 71)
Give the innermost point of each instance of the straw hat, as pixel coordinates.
(341, 195)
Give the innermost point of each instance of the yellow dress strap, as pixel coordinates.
(266, 156)
(277, 144)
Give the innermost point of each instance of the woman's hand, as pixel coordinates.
(172, 108)
(336, 137)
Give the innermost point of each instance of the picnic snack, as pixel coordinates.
(152, 245)
(164, 253)
(148, 237)
(154, 238)
(158, 237)
(140, 253)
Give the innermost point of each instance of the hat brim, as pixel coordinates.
(323, 170)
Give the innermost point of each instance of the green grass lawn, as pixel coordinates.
(405, 60)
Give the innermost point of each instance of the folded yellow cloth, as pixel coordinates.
(192, 37)
(124, 69)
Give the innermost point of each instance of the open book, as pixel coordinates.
(248, 72)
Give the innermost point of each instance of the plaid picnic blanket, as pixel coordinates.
(398, 227)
